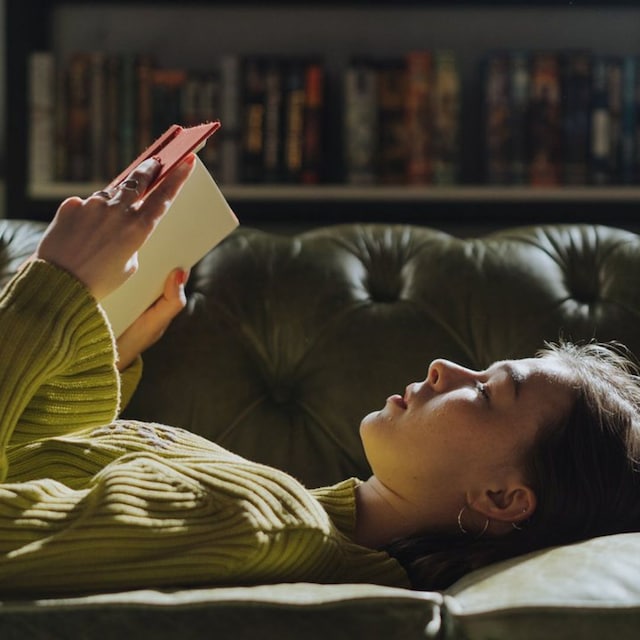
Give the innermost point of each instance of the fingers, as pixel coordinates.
(130, 190)
(152, 324)
(174, 289)
(156, 203)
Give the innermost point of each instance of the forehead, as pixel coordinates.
(550, 368)
(548, 383)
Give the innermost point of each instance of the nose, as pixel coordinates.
(444, 375)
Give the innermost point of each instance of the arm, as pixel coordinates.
(55, 345)
(52, 333)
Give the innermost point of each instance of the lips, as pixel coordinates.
(398, 400)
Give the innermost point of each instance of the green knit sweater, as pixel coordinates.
(89, 502)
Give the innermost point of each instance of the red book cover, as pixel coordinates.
(170, 148)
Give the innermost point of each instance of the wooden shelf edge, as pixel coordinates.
(400, 193)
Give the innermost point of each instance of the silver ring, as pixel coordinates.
(130, 184)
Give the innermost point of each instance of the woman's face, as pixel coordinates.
(461, 431)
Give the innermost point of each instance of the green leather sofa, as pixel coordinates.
(287, 341)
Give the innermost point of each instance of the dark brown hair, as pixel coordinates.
(584, 469)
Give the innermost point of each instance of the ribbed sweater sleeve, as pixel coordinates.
(57, 369)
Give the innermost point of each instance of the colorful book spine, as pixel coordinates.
(577, 82)
(128, 109)
(253, 77)
(519, 77)
(229, 137)
(446, 118)
(97, 116)
(144, 106)
(497, 118)
(167, 86)
(313, 142)
(42, 137)
(600, 148)
(614, 88)
(293, 120)
(360, 122)
(273, 120)
(628, 153)
(422, 111)
(113, 164)
(392, 152)
(78, 126)
(546, 125)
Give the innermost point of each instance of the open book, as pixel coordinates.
(198, 219)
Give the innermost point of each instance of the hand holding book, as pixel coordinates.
(125, 263)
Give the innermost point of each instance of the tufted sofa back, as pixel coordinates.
(287, 342)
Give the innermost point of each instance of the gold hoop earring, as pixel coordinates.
(464, 531)
(516, 525)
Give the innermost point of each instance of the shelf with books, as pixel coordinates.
(448, 161)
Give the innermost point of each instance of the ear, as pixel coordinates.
(510, 505)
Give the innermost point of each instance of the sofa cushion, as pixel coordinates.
(287, 342)
(274, 612)
(588, 590)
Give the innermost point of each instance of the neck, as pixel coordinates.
(382, 516)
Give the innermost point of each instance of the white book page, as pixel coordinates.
(198, 219)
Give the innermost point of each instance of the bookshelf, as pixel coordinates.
(336, 30)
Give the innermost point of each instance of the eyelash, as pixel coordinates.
(482, 390)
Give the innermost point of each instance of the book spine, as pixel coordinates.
(97, 122)
(128, 109)
(420, 116)
(209, 111)
(167, 86)
(360, 122)
(446, 134)
(60, 150)
(144, 101)
(229, 135)
(312, 140)
(42, 86)
(78, 136)
(614, 87)
(577, 104)
(294, 103)
(519, 77)
(628, 165)
(636, 137)
(546, 126)
(112, 118)
(600, 126)
(253, 124)
(497, 118)
(392, 146)
(273, 116)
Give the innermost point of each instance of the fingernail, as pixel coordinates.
(148, 164)
(181, 277)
